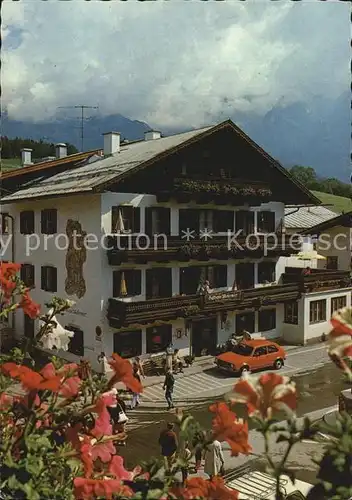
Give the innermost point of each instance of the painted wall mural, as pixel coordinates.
(76, 256)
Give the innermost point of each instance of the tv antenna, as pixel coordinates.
(82, 107)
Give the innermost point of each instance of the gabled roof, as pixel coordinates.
(344, 220)
(96, 176)
(307, 217)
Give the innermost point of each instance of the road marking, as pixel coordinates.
(304, 351)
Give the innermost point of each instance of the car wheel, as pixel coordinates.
(278, 364)
(244, 370)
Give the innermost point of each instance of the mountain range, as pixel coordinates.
(316, 135)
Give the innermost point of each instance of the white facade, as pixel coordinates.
(93, 212)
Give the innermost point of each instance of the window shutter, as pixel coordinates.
(114, 216)
(54, 279)
(22, 227)
(43, 277)
(250, 224)
(43, 222)
(116, 283)
(137, 285)
(53, 216)
(165, 223)
(136, 220)
(149, 283)
(148, 220)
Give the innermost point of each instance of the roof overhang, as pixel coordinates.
(343, 220)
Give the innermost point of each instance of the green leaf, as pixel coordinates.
(282, 438)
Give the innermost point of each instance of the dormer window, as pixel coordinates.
(125, 219)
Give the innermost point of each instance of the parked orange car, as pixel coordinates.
(251, 355)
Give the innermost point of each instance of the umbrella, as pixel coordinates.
(309, 255)
(58, 337)
(123, 287)
(120, 227)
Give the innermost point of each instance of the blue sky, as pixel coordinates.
(172, 64)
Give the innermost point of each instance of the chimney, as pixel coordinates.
(26, 154)
(61, 150)
(111, 143)
(150, 135)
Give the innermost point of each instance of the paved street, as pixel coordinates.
(212, 383)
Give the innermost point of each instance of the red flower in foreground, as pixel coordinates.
(227, 427)
(87, 489)
(9, 269)
(70, 384)
(342, 322)
(117, 468)
(199, 488)
(29, 307)
(124, 373)
(30, 379)
(8, 283)
(266, 394)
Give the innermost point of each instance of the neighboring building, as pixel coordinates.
(205, 181)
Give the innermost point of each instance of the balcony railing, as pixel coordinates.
(318, 279)
(143, 248)
(122, 313)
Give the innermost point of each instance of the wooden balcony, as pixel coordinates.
(142, 249)
(317, 280)
(122, 313)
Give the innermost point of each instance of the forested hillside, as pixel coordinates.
(11, 148)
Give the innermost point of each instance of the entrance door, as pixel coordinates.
(204, 337)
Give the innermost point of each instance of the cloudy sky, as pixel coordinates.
(172, 64)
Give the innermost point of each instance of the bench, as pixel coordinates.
(154, 365)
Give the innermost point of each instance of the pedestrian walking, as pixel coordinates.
(185, 456)
(118, 415)
(168, 443)
(214, 459)
(138, 365)
(198, 449)
(135, 395)
(168, 387)
(169, 356)
(177, 361)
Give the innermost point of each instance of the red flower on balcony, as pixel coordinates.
(124, 373)
(227, 427)
(266, 394)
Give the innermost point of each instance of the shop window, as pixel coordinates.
(27, 222)
(49, 278)
(158, 338)
(267, 320)
(223, 221)
(128, 344)
(266, 222)
(338, 303)
(49, 221)
(291, 313)
(125, 219)
(266, 272)
(317, 311)
(76, 343)
(27, 275)
(127, 283)
(246, 322)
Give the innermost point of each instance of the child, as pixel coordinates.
(185, 455)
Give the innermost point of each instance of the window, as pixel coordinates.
(49, 278)
(291, 313)
(28, 326)
(244, 222)
(205, 220)
(223, 221)
(266, 222)
(4, 219)
(272, 348)
(267, 320)
(217, 276)
(126, 283)
(317, 311)
(188, 219)
(158, 283)
(246, 322)
(244, 276)
(158, 338)
(157, 220)
(76, 343)
(128, 344)
(125, 219)
(332, 262)
(189, 280)
(260, 351)
(27, 222)
(338, 303)
(49, 221)
(266, 272)
(27, 274)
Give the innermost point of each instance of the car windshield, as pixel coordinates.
(243, 349)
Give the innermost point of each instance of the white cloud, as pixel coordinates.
(173, 64)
